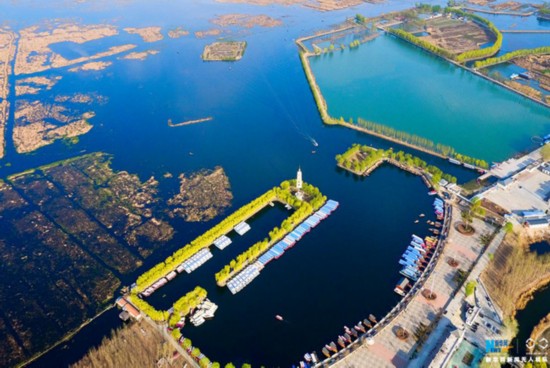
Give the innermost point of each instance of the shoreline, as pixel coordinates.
(65, 338)
(527, 294)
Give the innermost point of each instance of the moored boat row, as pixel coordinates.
(244, 277)
(191, 264)
(204, 311)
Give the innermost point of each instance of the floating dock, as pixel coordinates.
(196, 260)
(242, 228)
(243, 278)
(222, 242)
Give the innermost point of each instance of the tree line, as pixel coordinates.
(511, 55)
(203, 241)
(463, 57)
(418, 141)
(303, 209)
(479, 53)
(420, 42)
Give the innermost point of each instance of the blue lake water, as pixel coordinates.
(394, 83)
(264, 120)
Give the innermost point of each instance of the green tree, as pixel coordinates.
(473, 210)
(545, 152)
(470, 288)
(186, 343)
(509, 227)
(246, 365)
(360, 18)
(216, 365)
(230, 365)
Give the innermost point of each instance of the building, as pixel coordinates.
(299, 184)
(537, 223)
(128, 307)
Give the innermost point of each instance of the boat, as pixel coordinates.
(453, 161)
(326, 352)
(372, 318)
(279, 318)
(314, 142)
(416, 221)
(432, 192)
(514, 76)
(421, 215)
(347, 337)
(526, 75)
(181, 322)
(302, 364)
(314, 357)
(333, 347)
(341, 341)
(359, 327)
(353, 332)
(307, 357)
(367, 323)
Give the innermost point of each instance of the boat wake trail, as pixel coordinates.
(284, 108)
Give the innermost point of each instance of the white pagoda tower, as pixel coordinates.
(299, 184)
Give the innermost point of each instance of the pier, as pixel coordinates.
(245, 277)
(189, 122)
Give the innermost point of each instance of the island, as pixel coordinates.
(38, 125)
(246, 21)
(35, 85)
(224, 51)
(148, 34)
(202, 196)
(92, 66)
(7, 53)
(140, 55)
(35, 54)
(177, 32)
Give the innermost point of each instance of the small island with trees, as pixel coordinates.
(224, 51)
(362, 160)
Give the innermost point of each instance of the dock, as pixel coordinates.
(189, 122)
(222, 242)
(191, 264)
(242, 228)
(245, 277)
